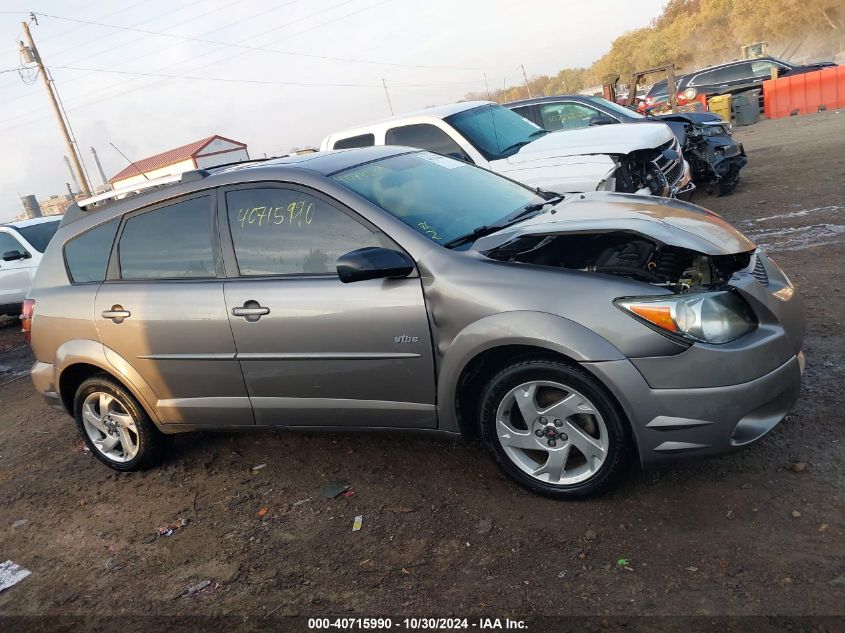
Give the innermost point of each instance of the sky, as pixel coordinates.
(274, 74)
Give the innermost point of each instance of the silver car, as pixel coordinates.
(390, 288)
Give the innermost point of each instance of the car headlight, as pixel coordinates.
(708, 317)
(689, 94)
(712, 130)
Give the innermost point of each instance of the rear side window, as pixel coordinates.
(39, 235)
(425, 136)
(172, 242)
(87, 255)
(362, 140)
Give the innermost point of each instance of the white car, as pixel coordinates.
(22, 244)
(644, 158)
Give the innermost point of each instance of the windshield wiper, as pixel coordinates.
(524, 143)
(481, 231)
(537, 206)
(473, 235)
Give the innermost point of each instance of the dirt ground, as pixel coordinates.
(444, 533)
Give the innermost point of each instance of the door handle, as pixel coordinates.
(117, 314)
(251, 311)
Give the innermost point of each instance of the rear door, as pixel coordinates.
(161, 310)
(15, 273)
(315, 351)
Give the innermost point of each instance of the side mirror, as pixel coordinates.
(601, 119)
(373, 262)
(10, 256)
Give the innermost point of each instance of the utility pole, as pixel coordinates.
(525, 77)
(389, 105)
(31, 53)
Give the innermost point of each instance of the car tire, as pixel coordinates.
(538, 407)
(114, 425)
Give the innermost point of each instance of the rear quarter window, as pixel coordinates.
(39, 235)
(87, 255)
(362, 140)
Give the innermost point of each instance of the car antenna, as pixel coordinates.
(138, 169)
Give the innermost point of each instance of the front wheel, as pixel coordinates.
(554, 430)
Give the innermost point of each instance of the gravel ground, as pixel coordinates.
(758, 532)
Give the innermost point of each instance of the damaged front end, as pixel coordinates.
(666, 243)
(658, 172)
(626, 254)
(714, 157)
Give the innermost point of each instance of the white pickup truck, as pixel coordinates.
(22, 245)
(643, 158)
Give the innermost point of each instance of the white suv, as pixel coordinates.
(644, 159)
(22, 244)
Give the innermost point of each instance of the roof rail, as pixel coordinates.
(144, 185)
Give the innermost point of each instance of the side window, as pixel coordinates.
(764, 68)
(566, 116)
(705, 78)
(736, 72)
(524, 112)
(87, 255)
(425, 136)
(172, 242)
(9, 243)
(287, 232)
(362, 140)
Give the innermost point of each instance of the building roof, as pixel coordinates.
(170, 157)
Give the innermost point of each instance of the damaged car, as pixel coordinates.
(715, 158)
(389, 288)
(632, 159)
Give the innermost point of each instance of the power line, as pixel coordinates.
(162, 80)
(238, 54)
(257, 48)
(224, 6)
(224, 79)
(260, 81)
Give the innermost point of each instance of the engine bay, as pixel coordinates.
(625, 254)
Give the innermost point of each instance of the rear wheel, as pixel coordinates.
(114, 425)
(554, 430)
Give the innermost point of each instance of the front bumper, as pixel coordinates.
(670, 424)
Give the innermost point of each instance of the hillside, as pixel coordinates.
(695, 33)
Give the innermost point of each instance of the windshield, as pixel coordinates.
(622, 110)
(39, 235)
(494, 131)
(439, 197)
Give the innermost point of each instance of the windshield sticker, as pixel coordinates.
(443, 161)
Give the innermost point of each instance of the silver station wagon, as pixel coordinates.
(391, 288)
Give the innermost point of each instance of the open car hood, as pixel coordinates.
(666, 221)
(622, 138)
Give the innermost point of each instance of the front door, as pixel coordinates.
(315, 351)
(161, 310)
(15, 274)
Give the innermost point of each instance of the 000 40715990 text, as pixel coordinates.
(298, 213)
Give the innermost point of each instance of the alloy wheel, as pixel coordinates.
(110, 427)
(552, 432)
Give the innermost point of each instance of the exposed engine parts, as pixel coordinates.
(626, 254)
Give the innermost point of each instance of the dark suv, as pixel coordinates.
(734, 77)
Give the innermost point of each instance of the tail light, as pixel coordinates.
(27, 313)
